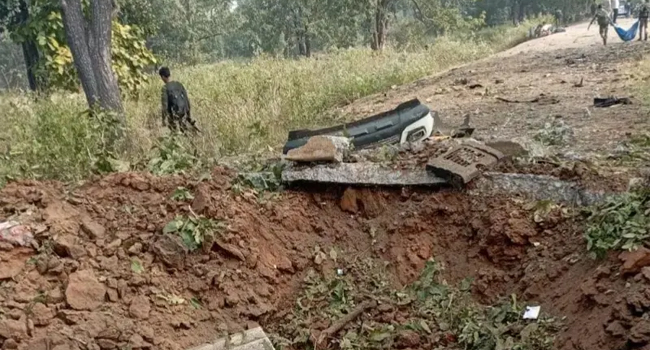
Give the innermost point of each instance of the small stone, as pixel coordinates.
(140, 308)
(321, 149)
(112, 295)
(84, 292)
(69, 246)
(136, 248)
(14, 329)
(146, 332)
(640, 332)
(10, 344)
(54, 296)
(108, 264)
(41, 315)
(615, 329)
(106, 344)
(634, 261)
(408, 339)
(15, 262)
(92, 228)
(171, 251)
(349, 201)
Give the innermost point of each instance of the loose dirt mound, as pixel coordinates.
(102, 274)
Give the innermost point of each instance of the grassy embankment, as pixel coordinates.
(241, 107)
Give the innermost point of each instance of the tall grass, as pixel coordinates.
(241, 107)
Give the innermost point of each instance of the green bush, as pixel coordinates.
(621, 223)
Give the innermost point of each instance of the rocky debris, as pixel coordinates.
(361, 200)
(171, 251)
(252, 339)
(536, 187)
(92, 228)
(13, 329)
(84, 291)
(408, 339)
(41, 315)
(321, 149)
(361, 174)
(13, 262)
(140, 308)
(634, 261)
(68, 245)
(231, 249)
(640, 333)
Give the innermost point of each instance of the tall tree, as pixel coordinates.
(90, 44)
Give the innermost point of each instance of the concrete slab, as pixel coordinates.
(536, 187)
(252, 339)
(369, 174)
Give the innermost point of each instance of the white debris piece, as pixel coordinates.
(532, 312)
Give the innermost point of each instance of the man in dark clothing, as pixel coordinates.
(175, 103)
(558, 17)
(644, 13)
(603, 22)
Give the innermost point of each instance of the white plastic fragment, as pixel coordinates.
(532, 312)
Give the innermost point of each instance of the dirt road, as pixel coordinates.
(550, 68)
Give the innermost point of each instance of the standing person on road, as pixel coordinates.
(558, 17)
(615, 5)
(644, 13)
(175, 103)
(603, 22)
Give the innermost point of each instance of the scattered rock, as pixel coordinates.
(201, 201)
(321, 149)
(640, 332)
(408, 339)
(136, 248)
(170, 250)
(634, 261)
(349, 201)
(140, 308)
(84, 292)
(615, 329)
(13, 262)
(69, 246)
(10, 344)
(41, 315)
(106, 344)
(92, 228)
(231, 249)
(13, 329)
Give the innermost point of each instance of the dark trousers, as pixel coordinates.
(614, 15)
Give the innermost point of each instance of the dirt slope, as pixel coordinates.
(547, 67)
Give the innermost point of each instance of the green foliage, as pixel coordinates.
(56, 69)
(57, 144)
(194, 231)
(621, 223)
(130, 58)
(182, 194)
(171, 155)
(431, 308)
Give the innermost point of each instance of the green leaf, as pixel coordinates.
(172, 227)
(136, 266)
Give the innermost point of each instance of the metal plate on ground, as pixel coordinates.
(464, 162)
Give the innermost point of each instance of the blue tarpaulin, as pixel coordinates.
(629, 34)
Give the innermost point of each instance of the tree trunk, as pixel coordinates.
(90, 44)
(380, 25)
(30, 50)
(30, 54)
(109, 91)
(75, 32)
